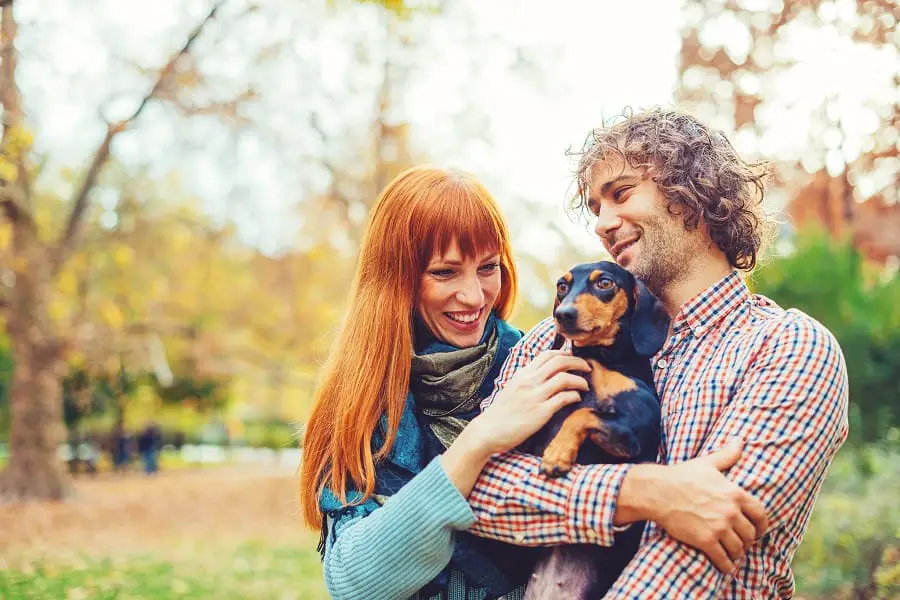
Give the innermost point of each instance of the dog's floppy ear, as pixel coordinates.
(649, 321)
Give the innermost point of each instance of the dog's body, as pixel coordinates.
(615, 324)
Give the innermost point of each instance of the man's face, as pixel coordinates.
(637, 229)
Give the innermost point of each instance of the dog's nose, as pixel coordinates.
(566, 315)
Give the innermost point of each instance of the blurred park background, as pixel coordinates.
(183, 186)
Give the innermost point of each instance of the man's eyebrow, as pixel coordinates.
(604, 189)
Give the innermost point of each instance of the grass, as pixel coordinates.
(250, 571)
(225, 534)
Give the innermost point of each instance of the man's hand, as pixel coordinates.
(697, 505)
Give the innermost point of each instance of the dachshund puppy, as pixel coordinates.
(617, 325)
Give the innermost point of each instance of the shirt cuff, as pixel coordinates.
(593, 503)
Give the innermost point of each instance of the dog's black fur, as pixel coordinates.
(617, 325)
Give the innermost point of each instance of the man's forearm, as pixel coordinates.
(639, 495)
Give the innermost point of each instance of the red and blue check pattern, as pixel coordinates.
(735, 365)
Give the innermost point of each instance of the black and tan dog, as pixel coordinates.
(617, 325)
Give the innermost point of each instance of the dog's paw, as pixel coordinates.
(558, 459)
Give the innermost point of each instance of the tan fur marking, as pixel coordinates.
(594, 276)
(560, 454)
(600, 318)
(607, 383)
(567, 277)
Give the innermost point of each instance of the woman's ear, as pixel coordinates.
(649, 321)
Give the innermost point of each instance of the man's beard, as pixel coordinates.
(664, 258)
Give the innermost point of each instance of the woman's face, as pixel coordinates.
(456, 295)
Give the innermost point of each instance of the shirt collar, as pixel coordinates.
(706, 309)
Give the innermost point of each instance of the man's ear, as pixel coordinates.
(649, 321)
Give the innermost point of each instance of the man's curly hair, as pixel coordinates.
(696, 169)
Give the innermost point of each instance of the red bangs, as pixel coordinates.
(458, 210)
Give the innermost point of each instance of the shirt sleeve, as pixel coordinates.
(791, 412)
(410, 537)
(515, 503)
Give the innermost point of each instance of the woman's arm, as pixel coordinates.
(401, 546)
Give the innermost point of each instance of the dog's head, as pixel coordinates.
(600, 303)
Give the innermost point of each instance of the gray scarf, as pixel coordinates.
(444, 385)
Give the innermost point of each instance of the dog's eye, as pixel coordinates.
(604, 284)
(562, 288)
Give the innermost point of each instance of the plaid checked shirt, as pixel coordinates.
(735, 364)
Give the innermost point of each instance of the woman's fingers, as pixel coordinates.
(563, 382)
(561, 363)
(562, 399)
(541, 359)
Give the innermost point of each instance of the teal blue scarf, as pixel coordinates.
(422, 435)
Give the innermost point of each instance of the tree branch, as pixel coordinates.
(101, 155)
(13, 209)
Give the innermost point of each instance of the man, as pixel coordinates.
(746, 388)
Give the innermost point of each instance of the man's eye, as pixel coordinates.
(605, 284)
(562, 288)
(620, 191)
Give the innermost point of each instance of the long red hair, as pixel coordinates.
(366, 375)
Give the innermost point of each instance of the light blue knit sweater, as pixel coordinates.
(393, 552)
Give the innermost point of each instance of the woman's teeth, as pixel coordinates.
(464, 317)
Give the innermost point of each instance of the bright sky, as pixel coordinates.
(593, 58)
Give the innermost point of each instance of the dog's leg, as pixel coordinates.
(559, 456)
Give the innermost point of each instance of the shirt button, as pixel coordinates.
(519, 537)
(699, 331)
(662, 363)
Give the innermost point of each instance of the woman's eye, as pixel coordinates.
(441, 272)
(604, 284)
(489, 268)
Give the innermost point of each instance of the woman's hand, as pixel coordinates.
(697, 505)
(525, 404)
(531, 396)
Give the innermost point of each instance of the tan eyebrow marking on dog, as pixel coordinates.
(594, 276)
(568, 277)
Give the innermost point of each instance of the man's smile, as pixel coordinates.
(616, 249)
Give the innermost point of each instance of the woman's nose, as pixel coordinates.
(471, 292)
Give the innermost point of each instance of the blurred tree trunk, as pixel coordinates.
(36, 417)
(37, 428)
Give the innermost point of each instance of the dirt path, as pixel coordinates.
(177, 510)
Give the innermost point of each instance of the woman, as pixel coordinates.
(395, 442)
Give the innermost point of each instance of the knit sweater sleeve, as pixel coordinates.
(392, 552)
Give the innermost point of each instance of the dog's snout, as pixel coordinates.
(566, 315)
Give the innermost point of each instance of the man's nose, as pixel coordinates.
(471, 293)
(608, 221)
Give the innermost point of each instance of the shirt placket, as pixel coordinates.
(664, 363)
